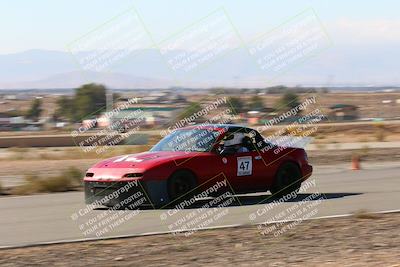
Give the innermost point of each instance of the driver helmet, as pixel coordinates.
(236, 140)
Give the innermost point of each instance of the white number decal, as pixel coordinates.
(244, 166)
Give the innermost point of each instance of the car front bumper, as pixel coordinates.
(126, 194)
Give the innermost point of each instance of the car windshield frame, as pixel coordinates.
(186, 140)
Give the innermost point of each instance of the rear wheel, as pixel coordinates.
(181, 183)
(287, 180)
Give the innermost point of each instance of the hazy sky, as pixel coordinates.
(49, 24)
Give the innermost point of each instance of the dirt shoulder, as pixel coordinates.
(362, 240)
(329, 157)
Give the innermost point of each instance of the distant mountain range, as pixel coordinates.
(337, 66)
(76, 78)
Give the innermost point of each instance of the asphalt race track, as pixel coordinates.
(47, 218)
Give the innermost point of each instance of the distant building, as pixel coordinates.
(140, 116)
(11, 123)
(163, 98)
(253, 117)
(342, 112)
(5, 121)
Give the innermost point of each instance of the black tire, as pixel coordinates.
(287, 180)
(181, 185)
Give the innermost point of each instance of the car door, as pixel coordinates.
(244, 171)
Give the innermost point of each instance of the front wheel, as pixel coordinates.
(181, 185)
(287, 180)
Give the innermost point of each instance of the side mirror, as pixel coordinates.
(227, 151)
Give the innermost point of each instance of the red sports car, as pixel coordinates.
(190, 158)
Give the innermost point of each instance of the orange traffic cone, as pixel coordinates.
(355, 163)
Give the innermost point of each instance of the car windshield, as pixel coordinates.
(189, 140)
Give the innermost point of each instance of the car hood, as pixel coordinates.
(116, 167)
(144, 160)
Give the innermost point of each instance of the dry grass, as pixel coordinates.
(364, 214)
(18, 149)
(68, 180)
(380, 134)
(365, 151)
(71, 153)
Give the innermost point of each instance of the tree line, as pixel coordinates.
(89, 100)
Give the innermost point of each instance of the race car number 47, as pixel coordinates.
(244, 166)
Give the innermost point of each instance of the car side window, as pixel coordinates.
(240, 141)
(248, 142)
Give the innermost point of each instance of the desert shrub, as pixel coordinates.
(364, 151)
(55, 184)
(380, 133)
(68, 180)
(78, 153)
(363, 139)
(18, 149)
(74, 174)
(320, 146)
(29, 186)
(73, 153)
(364, 214)
(44, 155)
